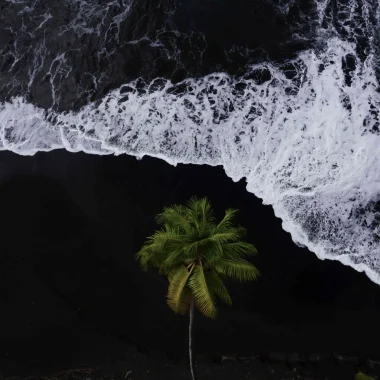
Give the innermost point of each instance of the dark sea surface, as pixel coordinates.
(63, 54)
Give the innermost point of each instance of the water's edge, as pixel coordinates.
(286, 98)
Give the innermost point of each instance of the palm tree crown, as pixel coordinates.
(197, 253)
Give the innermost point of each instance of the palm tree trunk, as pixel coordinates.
(191, 339)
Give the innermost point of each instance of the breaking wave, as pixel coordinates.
(304, 132)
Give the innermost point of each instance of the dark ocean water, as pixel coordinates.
(64, 54)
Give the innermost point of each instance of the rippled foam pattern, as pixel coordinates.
(304, 132)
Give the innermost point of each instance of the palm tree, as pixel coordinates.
(196, 254)
(361, 376)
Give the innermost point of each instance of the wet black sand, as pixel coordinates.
(71, 293)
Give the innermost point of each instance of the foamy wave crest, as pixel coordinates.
(304, 135)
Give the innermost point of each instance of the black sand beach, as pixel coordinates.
(72, 294)
(268, 85)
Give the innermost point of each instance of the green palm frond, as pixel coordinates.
(178, 297)
(174, 259)
(166, 235)
(200, 212)
(197, 254)
(216, 285)
(203, 297)
(157, 247)
(148, 257)
(239, 249)
(174, 216)
(227, 221)
(161, 240)
(362, 376)
(230, 235)
(195, 247)
(238, 269)
(143, 257)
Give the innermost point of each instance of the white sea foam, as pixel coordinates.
(309, 145)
